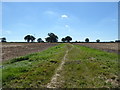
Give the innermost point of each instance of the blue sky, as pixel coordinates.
(95, 20)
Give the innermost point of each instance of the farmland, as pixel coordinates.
(109, 47)
(63, 65)
(13, 50)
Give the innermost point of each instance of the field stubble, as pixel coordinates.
(109, 47)
(13, 50)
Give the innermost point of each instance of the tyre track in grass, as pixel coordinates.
(55, 83)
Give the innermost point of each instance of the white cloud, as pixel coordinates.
(68, 27)
(64, 16)
(50, 12)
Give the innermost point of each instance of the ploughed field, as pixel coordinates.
(13, 50)
(109, 47)
(62, 66)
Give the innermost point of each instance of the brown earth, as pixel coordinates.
(13, 50)
(109, 47)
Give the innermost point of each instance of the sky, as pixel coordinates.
(80, 20)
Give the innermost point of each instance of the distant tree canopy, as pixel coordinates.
(111, 41)
(29, 38)
(39, 40)
(3, 39)
(63, 40)
(98, 40)
(66, 39)
(32, 38)
(87, 40)
(52, 38)
(117, 40)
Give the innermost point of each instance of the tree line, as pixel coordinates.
(52, 38)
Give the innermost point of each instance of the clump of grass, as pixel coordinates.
(33, 70)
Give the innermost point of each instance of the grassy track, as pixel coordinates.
(83, 68)
(34, 70)
(88, 68)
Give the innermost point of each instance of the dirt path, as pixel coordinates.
(54, 83)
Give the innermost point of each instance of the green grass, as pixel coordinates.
(34, 70)
(88, 68)
(84, 68)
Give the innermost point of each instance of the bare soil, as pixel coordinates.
(13, 50)
(109, 47)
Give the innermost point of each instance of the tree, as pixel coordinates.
(51, 38)
(63, 39)
(48, 39)
(40, 40)
(111, 41)
(98, 40)
(32, 38)
(76, 41)
(68, 38)
(87, 40)
(117, 40)
(3, 39)
(29, 37)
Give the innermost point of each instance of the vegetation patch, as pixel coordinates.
(87, 68)
(84, 68)
(34, 70)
